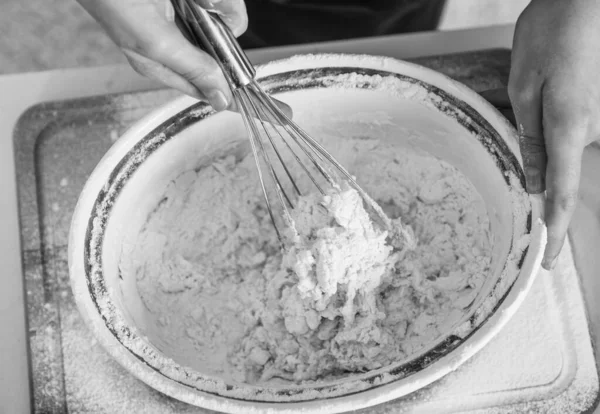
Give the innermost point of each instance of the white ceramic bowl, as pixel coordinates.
(449, 120)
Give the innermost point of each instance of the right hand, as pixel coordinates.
(146, 32)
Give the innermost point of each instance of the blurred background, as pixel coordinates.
(56, 34)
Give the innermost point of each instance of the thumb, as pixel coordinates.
(526, 98)
(531, 139)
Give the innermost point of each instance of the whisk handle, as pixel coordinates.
(209, 32)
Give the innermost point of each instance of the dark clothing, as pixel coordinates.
(286, 22)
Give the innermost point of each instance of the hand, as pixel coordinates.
(554, 88)
(146, 32)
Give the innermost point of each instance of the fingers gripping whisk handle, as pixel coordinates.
(209, 32)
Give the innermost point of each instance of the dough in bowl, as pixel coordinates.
(347, 298)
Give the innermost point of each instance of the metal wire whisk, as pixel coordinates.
(276, 141)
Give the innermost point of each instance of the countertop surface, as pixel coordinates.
(23, 91)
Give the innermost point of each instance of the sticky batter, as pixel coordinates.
(348, 296)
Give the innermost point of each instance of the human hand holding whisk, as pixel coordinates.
(168, 49)
(147, 33)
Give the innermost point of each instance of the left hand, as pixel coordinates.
(554, 88)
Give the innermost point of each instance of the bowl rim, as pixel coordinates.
(372, 65)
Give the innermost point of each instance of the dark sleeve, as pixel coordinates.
(286, 22)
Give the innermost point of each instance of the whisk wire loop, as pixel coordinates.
(269, 128)
(252, 137)
(280, 119)
(261, 114)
